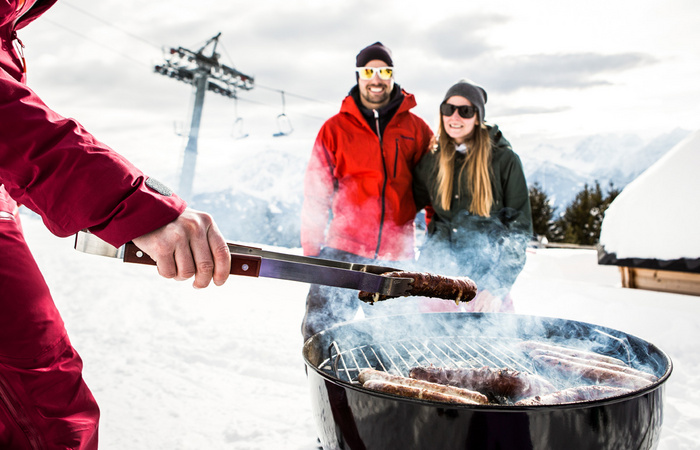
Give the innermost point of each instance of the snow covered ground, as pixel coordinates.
(221, 368)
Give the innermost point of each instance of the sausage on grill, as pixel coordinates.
(459, 289)
(589, 372)
(377, 375)
(494, 383)
(591, 356)
(604, 365)
(415, 392)
(574, 394)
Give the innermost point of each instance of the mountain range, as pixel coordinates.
(263, 204)
(562, 171)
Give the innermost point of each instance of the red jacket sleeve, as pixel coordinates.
(53, 166)
(319, 186)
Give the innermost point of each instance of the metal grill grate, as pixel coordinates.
(398, 357)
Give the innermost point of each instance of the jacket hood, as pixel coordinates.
(38, 8)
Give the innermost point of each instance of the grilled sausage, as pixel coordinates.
(589, 372)
(591, 356)
(377, 375)
(625, 369)
(414, 392)
(574, 394)
(459, 289)
(494, 383)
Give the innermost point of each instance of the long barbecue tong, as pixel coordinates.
(256, 262)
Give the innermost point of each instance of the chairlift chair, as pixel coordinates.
(237, 131)
(284, 125)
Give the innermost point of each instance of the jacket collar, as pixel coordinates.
(400, 97)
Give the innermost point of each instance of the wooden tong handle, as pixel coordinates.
(245, 265)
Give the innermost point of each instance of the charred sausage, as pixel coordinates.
(569, 369)
(494, 383)
(625, 369)
(591, 356)
(377, 375)
(414, 392)
(459, 289)
(574, 394)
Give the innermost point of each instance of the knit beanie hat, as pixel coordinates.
(374, 51)
(472, 92)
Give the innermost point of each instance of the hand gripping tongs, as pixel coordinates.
(256, 262)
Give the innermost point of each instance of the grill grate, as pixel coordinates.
(398, 357)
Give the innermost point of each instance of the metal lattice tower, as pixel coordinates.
(205, 73)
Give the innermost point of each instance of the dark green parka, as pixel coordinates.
(490, 250)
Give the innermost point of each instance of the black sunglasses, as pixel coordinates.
(465, 111)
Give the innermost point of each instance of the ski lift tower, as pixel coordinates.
(205, 73)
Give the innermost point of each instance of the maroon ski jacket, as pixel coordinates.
(52, 165)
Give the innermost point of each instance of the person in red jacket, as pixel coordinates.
(358, 200)
(53, 166)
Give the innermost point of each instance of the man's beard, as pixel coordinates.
(375, 99)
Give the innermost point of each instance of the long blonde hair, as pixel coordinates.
(476, 164)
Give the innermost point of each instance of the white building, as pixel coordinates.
(652, 229)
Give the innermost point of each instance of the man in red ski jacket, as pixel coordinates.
(358, 198)
(53, 166)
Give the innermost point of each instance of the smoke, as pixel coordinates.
(461, 340)
(481, 249)
(400, 333)
(328, 306)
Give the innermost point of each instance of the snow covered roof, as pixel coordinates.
(655, 221)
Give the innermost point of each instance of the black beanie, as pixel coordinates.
(472, 92)
(374, 51)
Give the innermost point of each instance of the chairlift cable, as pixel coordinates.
(139, 38)
(160, 47)
(293, 95)
(77, 33)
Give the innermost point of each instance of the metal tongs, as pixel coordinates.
(256, 262)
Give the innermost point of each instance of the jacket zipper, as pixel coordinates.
(19, 50)
(386, 177)
(396, 156)
(15, 411)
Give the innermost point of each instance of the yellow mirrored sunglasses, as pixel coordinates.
(367, 73)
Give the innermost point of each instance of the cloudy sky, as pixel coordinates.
(553, 70)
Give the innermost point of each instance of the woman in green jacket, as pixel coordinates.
(474, 191)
